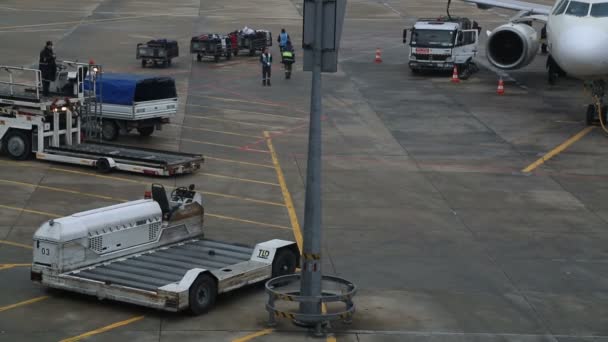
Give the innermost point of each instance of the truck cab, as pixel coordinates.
(441, 43)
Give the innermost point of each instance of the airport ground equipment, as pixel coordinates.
(54, 127)
(152, 252)
(251, 40)
(135, 102)
(442, 43)
(157, 52)
(211, 45)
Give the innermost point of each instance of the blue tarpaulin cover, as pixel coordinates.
(118, 88)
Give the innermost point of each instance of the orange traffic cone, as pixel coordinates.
(378, 56)
(501, 87)
(455, 78)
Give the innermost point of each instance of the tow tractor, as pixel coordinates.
(54, 127)
(442, 43)
(152, 252)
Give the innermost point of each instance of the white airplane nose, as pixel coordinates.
(581, 51)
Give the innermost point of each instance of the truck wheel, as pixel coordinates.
(199, 57)
(169, 62)
(17, 144)
(284, 262)
(146, 131)
(465, 72)
(202, 294)
(216, 58)
(251, 52)
(143, 63)
(103, 165)
(109, 130)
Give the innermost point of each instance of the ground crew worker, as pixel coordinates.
(543, 39)
(288, 57)
(47, 66)
(283, 39)
(266, 60)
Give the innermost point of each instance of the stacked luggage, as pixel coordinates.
(211, 45)
(252, 40)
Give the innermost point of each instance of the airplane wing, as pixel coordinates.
(516, 5)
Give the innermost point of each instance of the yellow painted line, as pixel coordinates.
(27, 302)
(61, 190)
(80, 22)
(239, 162)
(237, 100)
(234, 121)
(560, 148)
(222, 145)
(254, 113)
(238, 179)
(242, 198)
(297, 232)
(222, 217)
(15, 244)
(295, 225)
(9, 266)
(220, 132)
(42, 213)
(103, 329)
(253, 335)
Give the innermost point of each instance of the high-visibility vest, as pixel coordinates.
(266, 59)
(287, 56)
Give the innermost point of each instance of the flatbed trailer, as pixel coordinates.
(153, 253)
(51, 128)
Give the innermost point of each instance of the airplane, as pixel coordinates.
(577, 43)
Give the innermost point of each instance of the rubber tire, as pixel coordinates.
(415, 71)
(103, 166)
(284, 263)
(465, 72)
(169, 62)
(199, 57)
(21, 137)
(143, 63)
(235, 53)
(206, 284)
(216, 58)
(109, 130)
(590, 117)
(228, 56)
(251, 52)
(145, 131)
(164, 63)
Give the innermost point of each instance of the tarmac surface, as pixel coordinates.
(425, 204)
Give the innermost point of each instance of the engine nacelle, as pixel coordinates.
(512, 46)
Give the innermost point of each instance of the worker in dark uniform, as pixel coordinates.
(543, 39)
(266, 61)
(288, 57)
(47, 66)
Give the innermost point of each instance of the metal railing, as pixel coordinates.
(34, 74)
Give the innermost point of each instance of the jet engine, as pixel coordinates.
(512, 46)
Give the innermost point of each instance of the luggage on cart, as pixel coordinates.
(211, 46)
(158, 51)
(253, 40)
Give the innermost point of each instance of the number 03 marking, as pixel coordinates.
(45, 251)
